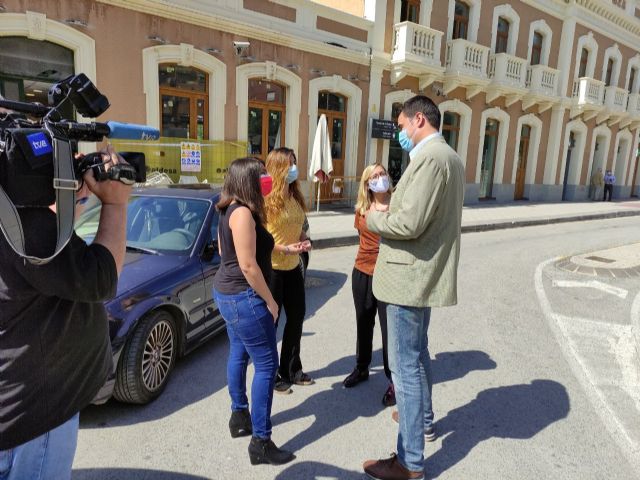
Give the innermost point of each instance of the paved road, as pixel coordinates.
(532, 380)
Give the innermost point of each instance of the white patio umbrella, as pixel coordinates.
(321, 164)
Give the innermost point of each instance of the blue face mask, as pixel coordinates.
(292, 174)
(405, 142)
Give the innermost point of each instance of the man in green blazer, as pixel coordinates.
(416, 270)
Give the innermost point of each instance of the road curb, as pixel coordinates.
(348, 240)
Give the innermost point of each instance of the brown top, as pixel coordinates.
(369, 246)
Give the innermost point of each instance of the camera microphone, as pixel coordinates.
(131, 131)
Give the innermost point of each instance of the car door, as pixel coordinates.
(210, 261)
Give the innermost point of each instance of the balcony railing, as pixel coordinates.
(634, 105)
(542, 80)
(418, 43)
(467, 58)
(508, 70)
(588, 91)
(615, 99)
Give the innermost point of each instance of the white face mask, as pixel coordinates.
(380, 184)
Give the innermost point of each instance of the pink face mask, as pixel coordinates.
(266, 184)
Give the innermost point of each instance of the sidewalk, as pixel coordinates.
(335, 228)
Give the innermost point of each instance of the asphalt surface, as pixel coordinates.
(534, 377)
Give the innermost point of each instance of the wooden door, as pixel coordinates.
(334, 106)
(523, 154)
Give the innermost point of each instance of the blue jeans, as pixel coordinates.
(252, 334)
(47, 457)
(411, 372)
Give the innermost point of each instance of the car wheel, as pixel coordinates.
(147, 360)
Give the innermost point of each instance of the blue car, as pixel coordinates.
(164, 307)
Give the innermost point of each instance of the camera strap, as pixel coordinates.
(65, 185)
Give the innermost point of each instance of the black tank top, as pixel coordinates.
(229, 278)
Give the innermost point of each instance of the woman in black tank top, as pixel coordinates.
(248, 308)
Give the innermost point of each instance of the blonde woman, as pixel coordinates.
(374, 193)
(285, 208)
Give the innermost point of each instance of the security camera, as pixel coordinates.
(240, 47)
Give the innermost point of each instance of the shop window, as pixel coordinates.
(28, 68)
(267, 108)
(502, 35)
(461, 21)
(184, 102)
(451, 129)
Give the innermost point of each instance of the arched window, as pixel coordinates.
(502, 35)
(490, 147)
(28, 68)
(451, 129)
(632, 79)
(536, 48)
(410, 11)
(334, 106)
(184, 102)
(461, 21)
(584, 61)
(609, 73)
(267, 106)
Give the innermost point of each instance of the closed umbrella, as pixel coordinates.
(321, 164)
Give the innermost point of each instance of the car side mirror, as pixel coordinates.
(210, 250)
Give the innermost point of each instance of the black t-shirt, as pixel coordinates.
(229, 278)
(55, 353)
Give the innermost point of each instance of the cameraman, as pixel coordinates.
(55, 352)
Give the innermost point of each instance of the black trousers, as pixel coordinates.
(608, 189)
(366, 307)
(287, 288)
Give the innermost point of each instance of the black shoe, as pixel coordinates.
(240, 424)
(355, 378)
(263, 450)
(282, 387)
(389, 397)
(302, 378)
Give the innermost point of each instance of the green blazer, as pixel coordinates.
(420, 247)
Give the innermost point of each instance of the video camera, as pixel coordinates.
(38, 147)
(28, 148)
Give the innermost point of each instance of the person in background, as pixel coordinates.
(597, 182)
(415, 271)
(609, 182)
(374, 191)
(249, 310)
(285, 215)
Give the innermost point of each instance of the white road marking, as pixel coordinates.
(602, 407)
(618, 292)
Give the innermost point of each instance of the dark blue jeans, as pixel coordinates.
(252, 334)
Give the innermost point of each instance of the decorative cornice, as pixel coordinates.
(165, 9)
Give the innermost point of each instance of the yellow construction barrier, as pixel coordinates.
(193, 160)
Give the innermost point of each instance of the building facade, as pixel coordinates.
(535, 95)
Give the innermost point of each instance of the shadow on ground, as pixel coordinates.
(513, 412)
(202, 373)
(317, 471)
(337, 407)
(195, 377)
(130, 474)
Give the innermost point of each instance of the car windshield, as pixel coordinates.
(166, 225)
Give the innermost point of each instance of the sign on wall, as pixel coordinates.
(385, 129)
(190, 157)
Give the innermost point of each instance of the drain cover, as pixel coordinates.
(600, 259)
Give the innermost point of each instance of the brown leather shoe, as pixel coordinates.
(429, 433)
(390, 469)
